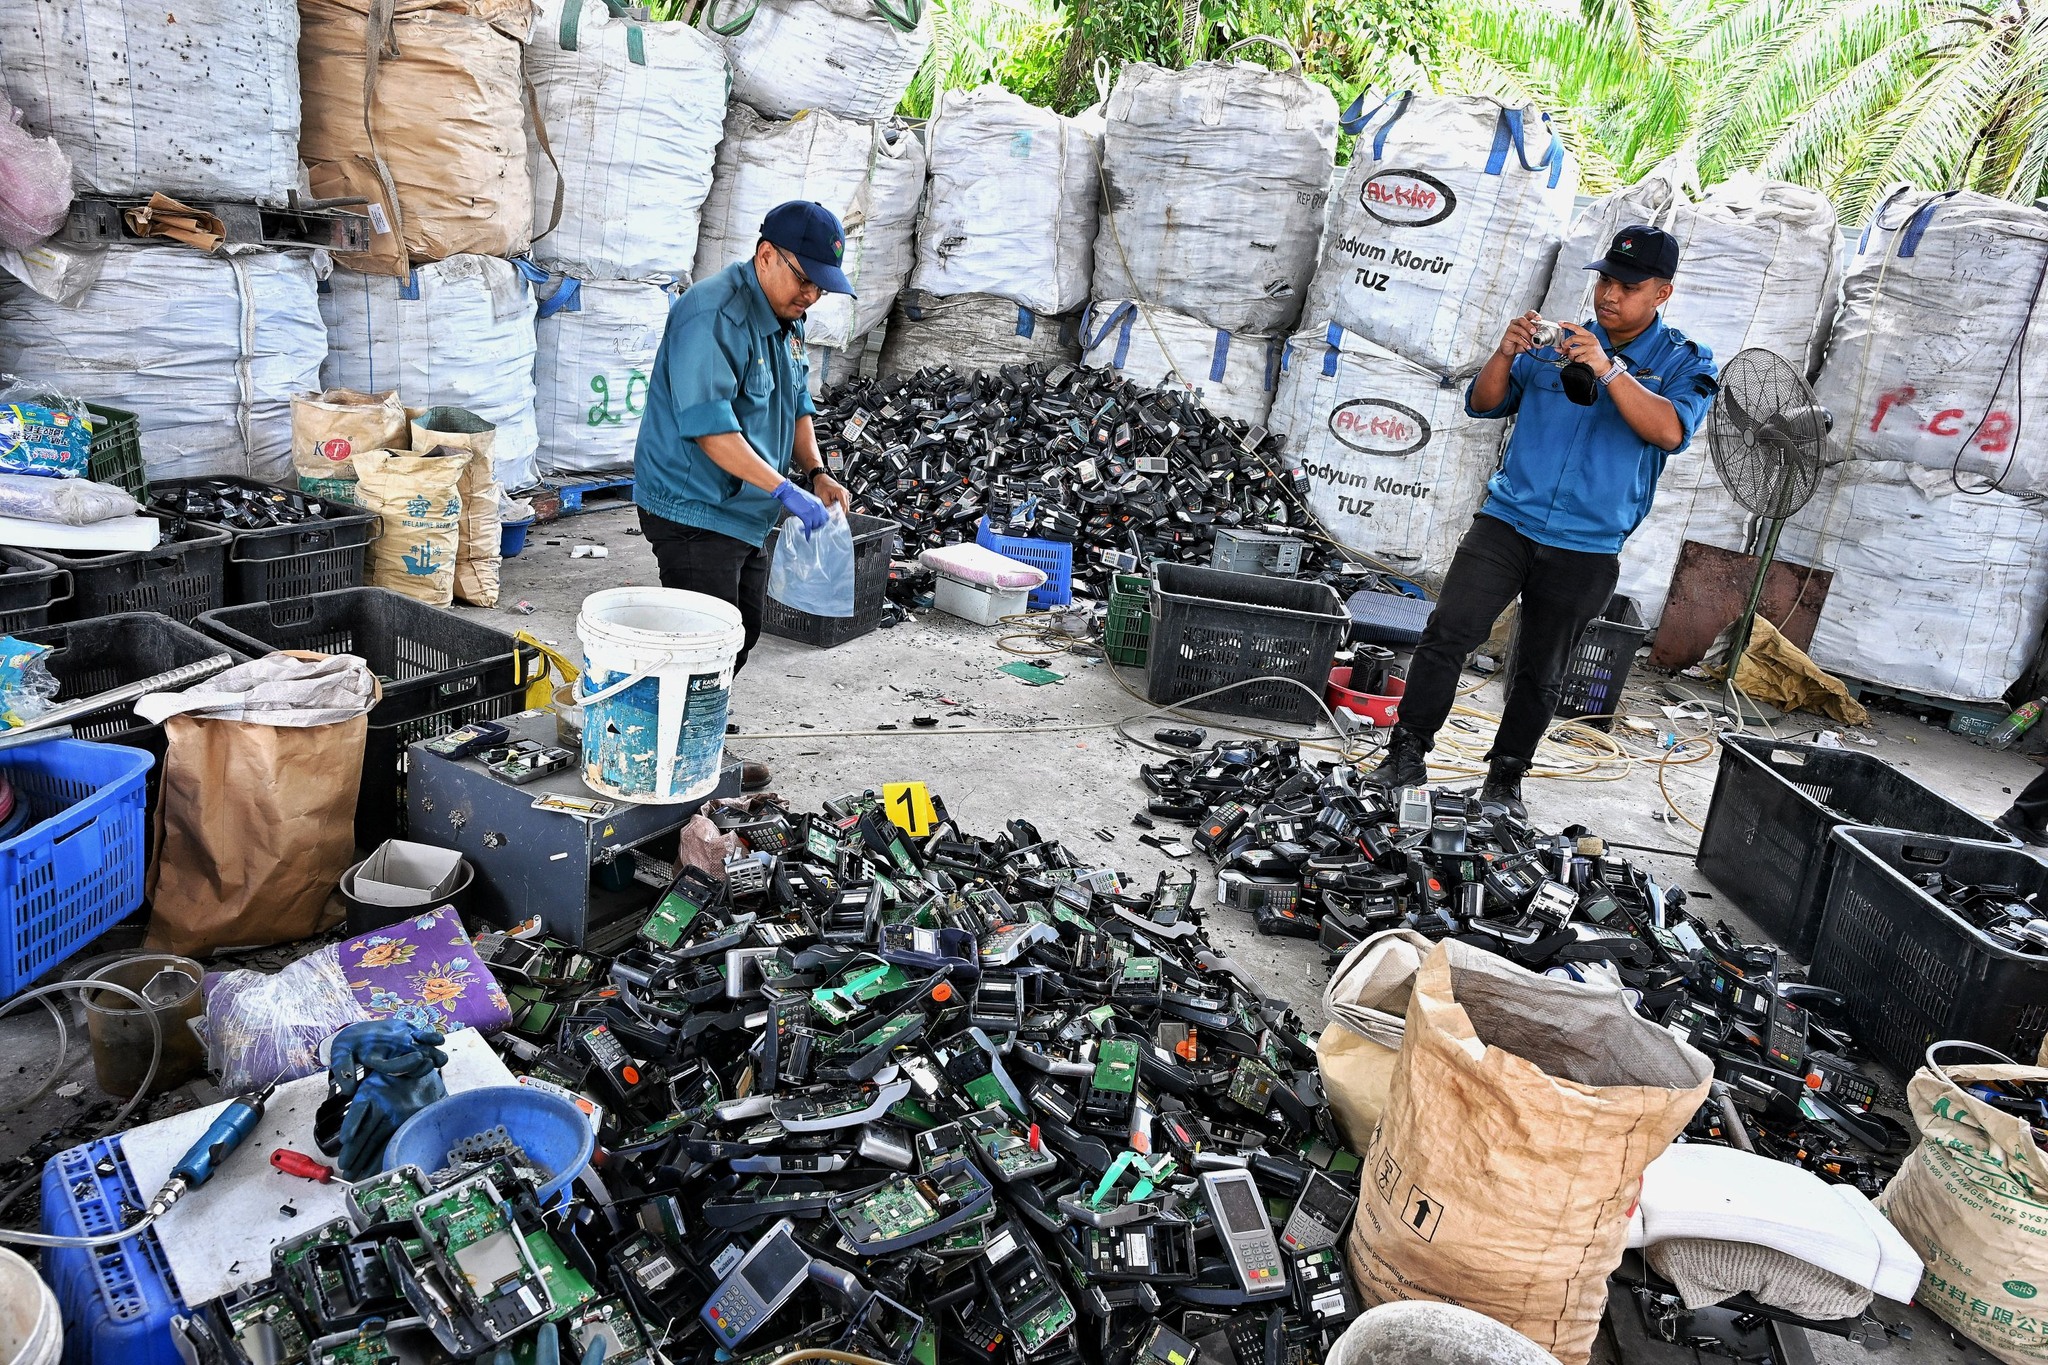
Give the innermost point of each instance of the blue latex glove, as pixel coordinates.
(802, 506)
(391, 1071)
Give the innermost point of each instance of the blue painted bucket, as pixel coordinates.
(512, 537)
(655, 687)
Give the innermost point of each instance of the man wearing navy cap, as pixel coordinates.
(1597, 414)
(726, 443)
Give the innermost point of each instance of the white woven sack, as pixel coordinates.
(854, 58)
(593, 362)
(1939, 355)
(1447, 226)
(1396, 468)
(1692, 504)
(870, 174)
(207, 350)
(1012, 206)
(633, 112)
(458, 333)
(1935, 591)
(1215, 181)
(198, 99)
(1231, 375)
(974, 332)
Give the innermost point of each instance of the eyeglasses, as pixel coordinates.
(803, 281)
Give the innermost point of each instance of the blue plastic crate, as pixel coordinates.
(76, 871)
(1056, 557)
(118, 1300)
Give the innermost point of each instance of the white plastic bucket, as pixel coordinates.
(31, 1328)
(656, 681)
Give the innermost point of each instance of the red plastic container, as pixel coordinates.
(1381, 709)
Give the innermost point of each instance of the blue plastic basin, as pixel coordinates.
(512, 537)
(553, 1131)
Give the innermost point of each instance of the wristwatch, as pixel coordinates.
(1615, 369)
(802, 478)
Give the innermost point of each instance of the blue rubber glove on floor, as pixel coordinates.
(802, 506)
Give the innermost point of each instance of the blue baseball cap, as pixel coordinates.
(811, 233)
(1639, 252)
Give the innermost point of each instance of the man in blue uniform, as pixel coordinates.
(726, 443)
(1598, 413)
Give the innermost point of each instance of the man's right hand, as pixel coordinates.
(1520, 336)
(802, 506)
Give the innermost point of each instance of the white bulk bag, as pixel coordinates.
(870, 174)
(1230, 374)
(456, 333)
(975, 332)
(854, 58)
(1935, 591)
(1939, 355)
(197, 99)
(207, 350)
(1757, 265)
(1446, 228)
(1396, 468)
(1216, 180)
(827, 367)
(1012, 204)
(1691, 504)
(593, 361)
(633, 113)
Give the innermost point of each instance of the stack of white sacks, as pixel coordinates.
(814, 87)
(1937, 376)
(1447, 226)
(208, 350)
(1005, 246)
(1215, 182)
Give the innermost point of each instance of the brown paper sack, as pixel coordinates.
(448, 94)
(329, 428)
(420, 499)
(480, 553)
(1366, 1003)
(1972, 1199)
(1522, 1113)
(255, 825)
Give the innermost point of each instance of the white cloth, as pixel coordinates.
(277, 689)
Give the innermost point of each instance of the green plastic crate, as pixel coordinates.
(117, 450)
(1128, 630)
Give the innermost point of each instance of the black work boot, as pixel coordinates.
(1502, 794)
(1403, 763)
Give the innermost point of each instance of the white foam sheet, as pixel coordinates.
(1717, 1192)
(219, 1236)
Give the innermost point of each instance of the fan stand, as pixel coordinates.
(1745, 624)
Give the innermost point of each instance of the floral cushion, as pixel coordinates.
(424, 971)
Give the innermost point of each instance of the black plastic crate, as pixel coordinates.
(1211, 629)
(180, 580)
(1596, 670)
(874, 539)
(1914, 971)
(279, 563)
(381, 811)
(1766, 848)
(109, 651)
(29, 587)
(428, 660)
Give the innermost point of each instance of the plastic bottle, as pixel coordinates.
(2017, 724)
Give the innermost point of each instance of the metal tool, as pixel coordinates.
(65, 712)
(215, 1146)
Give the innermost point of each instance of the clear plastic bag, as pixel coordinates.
(68, 502)
(43, 432)
(35, 184)
(27, 687)
(814, 573)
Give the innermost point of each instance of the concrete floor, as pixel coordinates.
(1005, 749)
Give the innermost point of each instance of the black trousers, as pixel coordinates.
(1561, 590)
(2030, 807)
(697, 560)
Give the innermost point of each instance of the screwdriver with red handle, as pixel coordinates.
(298, 1163)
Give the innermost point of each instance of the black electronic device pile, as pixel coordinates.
(2010, 916)
(1131, 476)
(240, 505)
(927, 1099)
(1311, 851)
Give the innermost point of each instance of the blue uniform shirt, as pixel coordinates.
(726, 363)
(1580, 478)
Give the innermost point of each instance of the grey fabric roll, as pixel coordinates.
(1708, 1271)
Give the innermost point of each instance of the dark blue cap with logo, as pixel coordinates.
(1639, 252)
(811, 233)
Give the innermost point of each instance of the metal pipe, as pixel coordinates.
(66, 712)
